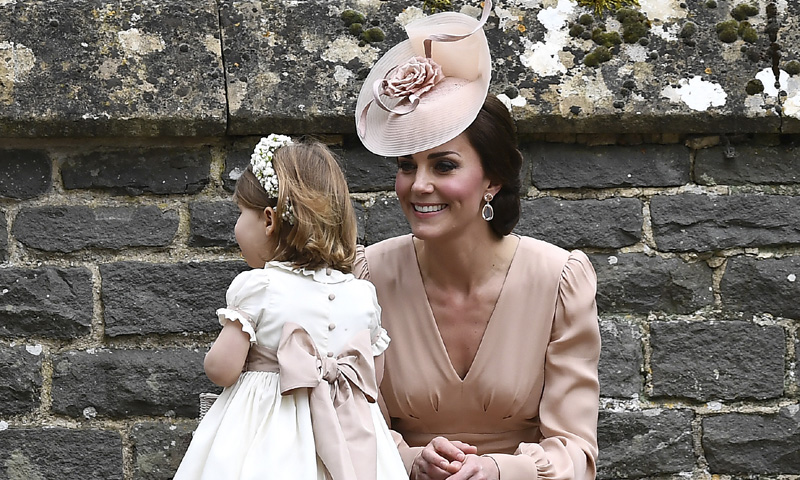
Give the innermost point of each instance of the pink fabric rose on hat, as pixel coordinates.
(415, 77)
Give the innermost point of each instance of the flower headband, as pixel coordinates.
(263, 169)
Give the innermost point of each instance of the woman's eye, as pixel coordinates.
(445, 166)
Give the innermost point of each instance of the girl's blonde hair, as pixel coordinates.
(324, 230)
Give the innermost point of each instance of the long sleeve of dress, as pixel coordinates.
(569, 404)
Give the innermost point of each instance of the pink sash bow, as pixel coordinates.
(340, 390)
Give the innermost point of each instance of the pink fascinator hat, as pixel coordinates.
(428, 89)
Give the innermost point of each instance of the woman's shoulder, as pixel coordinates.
(540, 254)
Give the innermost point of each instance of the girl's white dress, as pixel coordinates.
(253, 431)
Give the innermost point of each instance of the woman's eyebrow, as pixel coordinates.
(445, 153)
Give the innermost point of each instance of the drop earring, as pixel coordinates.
(487, 212)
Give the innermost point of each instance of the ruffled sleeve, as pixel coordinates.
(360, 266)
(244, 301)
(569, 405)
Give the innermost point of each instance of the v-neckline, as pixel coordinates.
(432, 320)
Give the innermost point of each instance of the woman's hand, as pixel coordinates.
(440, 459)
(477, 468)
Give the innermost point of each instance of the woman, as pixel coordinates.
(492, 370)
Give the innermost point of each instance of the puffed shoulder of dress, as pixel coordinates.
(242, 299)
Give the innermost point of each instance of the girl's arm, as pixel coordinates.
(223, 363)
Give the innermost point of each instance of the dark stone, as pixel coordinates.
(3, 236)
(20, 379)
(71, 228)
(692, 222)
(237, 158)
(56, 452)
(647, 443)
(366, 172)
(24, 173)
(212, 224)
(361, 222)
(580, 166)
(136, 171)
(385, 219)
(754, 285)
(45, 302)
(637, 283)
(147, 298)
(612, 223)
(753, 443)
(621, 359)
(754, 164)
(129, 383)
(158, 449)
(712, 360)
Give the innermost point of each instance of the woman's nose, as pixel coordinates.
(422, 183)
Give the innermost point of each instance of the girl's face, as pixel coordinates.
(441, 190)
(251, 235)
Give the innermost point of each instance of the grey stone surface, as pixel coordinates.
(20, 379)
(361, 222)
(158, 449)
(712, 360)
(739, 443)
(366, 172)
(237, 157)
(57, 452)
(621, 359)
(88, 68)
(767, 285)
(385, 219)
(753, 164)
(146, 298)
(212, 223)
(70, 228)
(637, 283)
(647, 443)
(580, 166)
(128, 383)
(612, 223)
(24, 173)
(692, 222)
(133, 171)
(45, 302)
(3, 236)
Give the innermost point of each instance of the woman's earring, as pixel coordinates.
(487, 212)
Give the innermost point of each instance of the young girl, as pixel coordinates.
(295, 353)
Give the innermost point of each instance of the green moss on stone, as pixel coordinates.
(597, 56)
(586, 19)
(437, 5)
(688, 30)
(728, 31)
(749, 34)
(711, 4)
(743, 11)
(576, 30)
(373, 35)
(350, 17)
(634, 24)
(605, 39)
(356, 28)
(792, 67)
(754, 87)
(600, 6)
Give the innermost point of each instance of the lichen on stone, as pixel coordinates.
(743, 11)
(600, 6)
(597, 56)
(728, 31)
(437, 5)
(635, 24)
(792, 67)
(606, 39)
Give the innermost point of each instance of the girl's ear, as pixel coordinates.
(269, 220)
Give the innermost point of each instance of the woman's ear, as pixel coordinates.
(269, 220)
(494, 188)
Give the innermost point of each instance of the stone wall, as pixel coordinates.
(122, 125)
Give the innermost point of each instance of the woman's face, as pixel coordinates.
(251, 235)
(441, 190)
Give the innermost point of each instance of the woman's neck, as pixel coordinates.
(464, 262)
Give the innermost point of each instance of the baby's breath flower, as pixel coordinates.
(263, 169)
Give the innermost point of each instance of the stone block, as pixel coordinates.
(753, 443)
(711, 360)
(385, 219)
(76, 227)
(366, 172)
(701, 223)
(148, 298)
(612, 223)
(753, 164)
(637, 283)
(580, 166)
(57, 452)
(24, 173)
(644, 444)
(212, 223)
(46, 302)
(128, 383)
(770, 285)
(237, 158)
(3, 237)
(621, 359)
(158, 449)
(20, 379)
(85, 68)
(137, 171)
(361, 222)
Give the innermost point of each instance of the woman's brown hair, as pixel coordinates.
(311, 181)
(493, 134)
